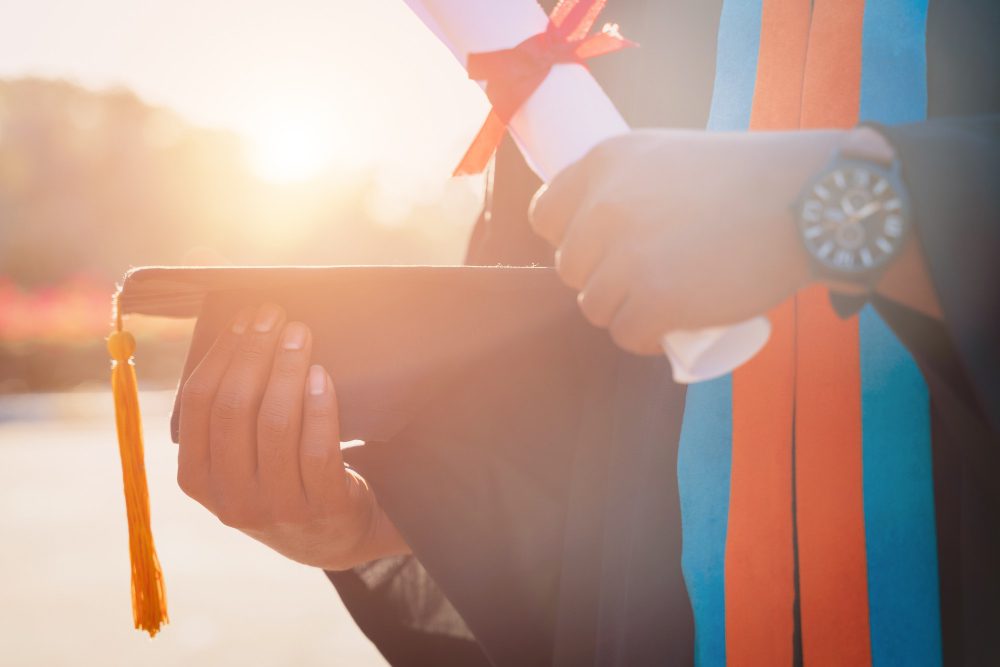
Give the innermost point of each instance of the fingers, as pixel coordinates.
(629, 308)
(606, 290)
(197, 394)
(636, 328)
(279, 423)
(591, 236)
(260, 430)
(554, 205)
(233, 421)
(321, 462)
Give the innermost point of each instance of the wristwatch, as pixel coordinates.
(854, 216)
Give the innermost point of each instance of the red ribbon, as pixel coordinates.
(512, 75)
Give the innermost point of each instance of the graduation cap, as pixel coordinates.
(417, 353)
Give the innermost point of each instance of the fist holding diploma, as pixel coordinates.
(556, 118)
(660, 229)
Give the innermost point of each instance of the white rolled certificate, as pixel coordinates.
(566, 116)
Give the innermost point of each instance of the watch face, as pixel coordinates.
(853, 218)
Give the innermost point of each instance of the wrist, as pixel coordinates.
(845, 213)
(816, 150)
(375, 536)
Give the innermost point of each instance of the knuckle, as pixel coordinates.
(274, 460)
(274, 423)
(289, 365)
(195, 393)
(254, 350)
(230, 406)
(321, 412)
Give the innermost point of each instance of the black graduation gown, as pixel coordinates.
(542, 544)
(525, 542)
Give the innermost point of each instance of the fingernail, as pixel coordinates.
(241, 321)
(267, 317)
(295, 336)
(317, 380)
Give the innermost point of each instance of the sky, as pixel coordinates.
(308, 82)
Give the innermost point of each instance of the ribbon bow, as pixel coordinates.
(512, 75)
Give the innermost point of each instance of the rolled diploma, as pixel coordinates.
(565, 117)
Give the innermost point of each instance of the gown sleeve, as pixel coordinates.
(951, 167)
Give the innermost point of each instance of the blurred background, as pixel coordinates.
(189, 132)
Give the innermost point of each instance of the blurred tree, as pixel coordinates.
(93, 182)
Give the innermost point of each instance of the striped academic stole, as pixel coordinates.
(805, 476)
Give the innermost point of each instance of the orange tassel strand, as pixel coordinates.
(149, 598)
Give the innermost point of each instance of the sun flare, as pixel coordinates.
(290, 147)
(289, 153)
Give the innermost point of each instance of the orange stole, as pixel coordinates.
(759, 558)
(808, 75)
(833, 575)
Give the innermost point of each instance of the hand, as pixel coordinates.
(260, 448)
(663, 230)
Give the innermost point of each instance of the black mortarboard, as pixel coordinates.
(396, 340)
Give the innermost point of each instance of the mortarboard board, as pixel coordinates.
(420, 355)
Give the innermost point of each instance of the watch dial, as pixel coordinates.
(853, 219)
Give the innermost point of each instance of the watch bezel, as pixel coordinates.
(854, 274)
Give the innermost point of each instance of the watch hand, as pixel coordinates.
(866, 210)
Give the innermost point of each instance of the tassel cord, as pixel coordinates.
(149, 602)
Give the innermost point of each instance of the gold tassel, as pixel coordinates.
(149, 598)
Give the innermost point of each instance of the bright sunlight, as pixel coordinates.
(289, 152)
(291, 145)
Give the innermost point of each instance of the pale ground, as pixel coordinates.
(64, 586)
